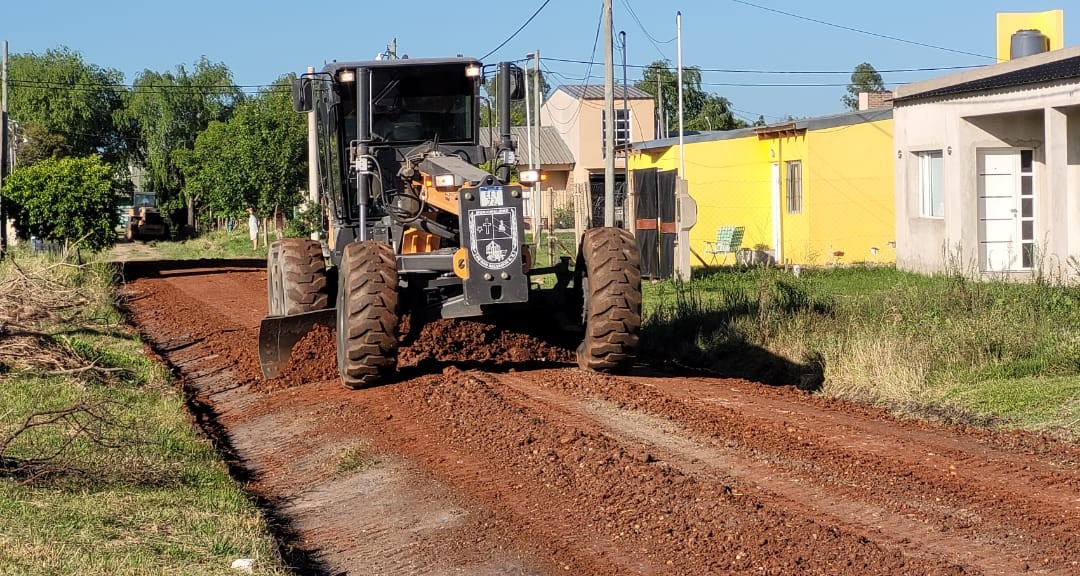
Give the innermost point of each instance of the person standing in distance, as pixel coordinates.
(253, 228)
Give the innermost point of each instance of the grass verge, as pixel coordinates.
(946, 346)
(216, 244)
(101, 471)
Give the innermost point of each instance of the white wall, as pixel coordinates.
(1046, 119)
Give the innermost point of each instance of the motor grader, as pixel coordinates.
(414, 224)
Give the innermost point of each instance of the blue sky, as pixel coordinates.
(259, 41)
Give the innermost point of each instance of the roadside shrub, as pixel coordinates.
(66, 199)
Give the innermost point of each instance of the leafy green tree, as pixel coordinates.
(40, 144)
(169, 110)
(490, 116)
(65, 199)
(715, 114)
(863, 79)
(66, 99)
(701, 110)
(256, 158)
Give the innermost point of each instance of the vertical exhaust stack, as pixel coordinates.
(363, 136)
(506, 145)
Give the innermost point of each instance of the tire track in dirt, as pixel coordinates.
(564, 471)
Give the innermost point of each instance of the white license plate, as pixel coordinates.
(491, 196)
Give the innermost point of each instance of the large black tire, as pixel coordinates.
(367, 317)
(612, 299)
(297, 266)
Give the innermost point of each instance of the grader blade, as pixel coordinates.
(278, 335)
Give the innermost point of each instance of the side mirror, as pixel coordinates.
(517, 83)
(302, 97)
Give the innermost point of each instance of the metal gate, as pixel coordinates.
(655, 221)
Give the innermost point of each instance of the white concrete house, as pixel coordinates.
(988, 168)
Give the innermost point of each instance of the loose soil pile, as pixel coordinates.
(477, 462)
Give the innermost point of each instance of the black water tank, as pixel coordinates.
(1027, 43)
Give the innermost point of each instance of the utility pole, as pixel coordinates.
(3, 148)
(682, 155)
(535, 227)
(538, 204)
(626, 109)
(609, 124)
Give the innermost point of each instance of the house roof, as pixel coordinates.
(596, 92)
(801, 125)
(553, 150)
(1050, 66)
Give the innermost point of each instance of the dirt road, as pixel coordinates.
(517, 463)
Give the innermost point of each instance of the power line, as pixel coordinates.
(759, 71)
(860, 31)
(516, 32)
(652, 40)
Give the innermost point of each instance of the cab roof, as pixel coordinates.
(335, 67)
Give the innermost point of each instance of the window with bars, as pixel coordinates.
(794, 186)
(622, 129)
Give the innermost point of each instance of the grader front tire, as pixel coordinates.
(367, 313)
(612, 294)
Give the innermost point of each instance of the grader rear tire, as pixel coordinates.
(367, 313)
(301, 274)
(612, 299)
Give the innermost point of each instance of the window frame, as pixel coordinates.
(793, 186)
(628, 114)
(925, 180)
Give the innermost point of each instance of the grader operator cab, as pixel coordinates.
(414, 225)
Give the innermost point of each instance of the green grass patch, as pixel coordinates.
(922, 345)
(357, 458)
(110, 477)
(216, 244)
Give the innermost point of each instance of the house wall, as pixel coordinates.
(580, 127)
(851, 194)
(847, 191)
(1045, 119)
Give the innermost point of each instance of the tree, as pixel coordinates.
(715, 114)
(256, 158)
(40, 144)
(169, 110)
(490, 116)
(67, 105)
(65, 199)
(701, 110)
(863, 79)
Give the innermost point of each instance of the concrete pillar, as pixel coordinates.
(685, 219)
(1057, 208)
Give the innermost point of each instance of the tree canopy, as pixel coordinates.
(169, 110)
(255, 158)
(66, 105)
(863, 79)
(701, 110)
(65, 199)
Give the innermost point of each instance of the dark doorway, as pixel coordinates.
(596, 200)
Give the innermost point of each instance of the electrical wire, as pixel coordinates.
(516, 32)
(860, 31)
(759, 71)
(652, 40)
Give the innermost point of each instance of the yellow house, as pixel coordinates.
(813, 191)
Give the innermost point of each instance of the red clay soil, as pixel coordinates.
(487, 465)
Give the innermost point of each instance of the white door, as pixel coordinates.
(1006, 216)
(777, 214)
